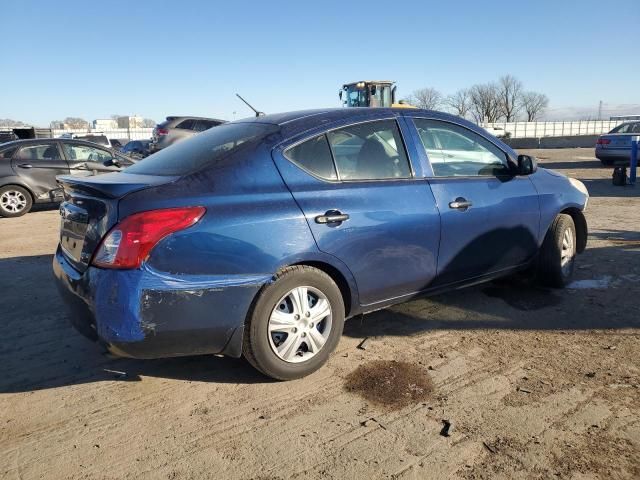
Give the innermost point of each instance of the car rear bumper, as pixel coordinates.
(147, 314)
(617, 155)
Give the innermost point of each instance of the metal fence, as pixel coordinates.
(116, 133)
(555, 129)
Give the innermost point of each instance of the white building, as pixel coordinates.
(134, 121)
(105, 124)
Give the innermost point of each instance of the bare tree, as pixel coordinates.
(75, 122)
(148, 122)
(427, 98)
(459, 102)
(510, 96)
(485, 102)
(534, 104)
(7, 122)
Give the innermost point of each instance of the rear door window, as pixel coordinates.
(314, 156)
(369, 151)
(204, 149)
(47, 151)
(8, 153)
(187, 124)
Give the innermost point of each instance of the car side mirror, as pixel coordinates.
(527, 165)
(112, 162)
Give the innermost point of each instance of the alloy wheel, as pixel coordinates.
(13, 201)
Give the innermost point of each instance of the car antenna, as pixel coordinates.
(258, 113)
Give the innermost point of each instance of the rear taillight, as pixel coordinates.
(603, 141)
(129, 243)
(162, 131)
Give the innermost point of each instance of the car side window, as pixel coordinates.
(8, 153)
(86, 153)
(369, 151)
(39, 152)
(188, 124)
(624, 128)
(455, 151)
(314, 155)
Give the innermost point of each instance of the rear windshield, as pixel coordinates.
(207, 147)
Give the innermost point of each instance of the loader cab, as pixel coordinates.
(368, 93)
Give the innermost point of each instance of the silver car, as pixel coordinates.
(175, 129)
(614, 148)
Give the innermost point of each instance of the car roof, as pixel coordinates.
(294, 123)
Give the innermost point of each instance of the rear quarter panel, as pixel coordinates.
(252, 225)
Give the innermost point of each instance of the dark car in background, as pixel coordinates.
(177, 128)
(28, 169)
(136, 148)
(259, 237)
(614, 148)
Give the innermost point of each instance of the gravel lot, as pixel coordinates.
(532, 383)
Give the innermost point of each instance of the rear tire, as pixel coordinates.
(295, 323)
(557, 255)
(15, 201)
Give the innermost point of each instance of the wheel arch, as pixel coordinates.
(349, 296)
(580, 222)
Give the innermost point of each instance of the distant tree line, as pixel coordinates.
(9, 123)
(504, 100)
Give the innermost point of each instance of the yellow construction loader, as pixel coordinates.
(370, 93)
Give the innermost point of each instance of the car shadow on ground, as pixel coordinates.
(39, 349)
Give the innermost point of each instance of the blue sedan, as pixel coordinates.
(259, 237)
(614, 148)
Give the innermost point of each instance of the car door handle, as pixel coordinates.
(460, 204)
(332, 216)
(25, 165)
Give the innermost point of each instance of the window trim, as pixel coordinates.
(420, 143)
(284, 149)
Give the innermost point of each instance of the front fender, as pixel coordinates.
(557, 195)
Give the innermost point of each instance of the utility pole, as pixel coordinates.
(600, 110)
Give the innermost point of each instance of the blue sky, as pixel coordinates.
(156, 58)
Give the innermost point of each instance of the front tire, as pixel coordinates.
(15, 201)
(295, 323)
(558, 252)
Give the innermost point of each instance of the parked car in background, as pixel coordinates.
(28, 169)
(97, 138)
(118, 143)
(136, 148)
(175, 129)
(259, 237)
(7, 136)
(614, 148)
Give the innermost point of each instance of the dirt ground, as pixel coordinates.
(518, 382)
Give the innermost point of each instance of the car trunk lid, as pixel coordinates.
(90, 209)
(616, 140)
